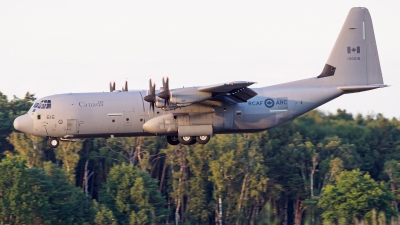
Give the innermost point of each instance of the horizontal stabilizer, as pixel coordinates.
(359, 88)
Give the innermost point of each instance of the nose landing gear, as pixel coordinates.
(53, 142)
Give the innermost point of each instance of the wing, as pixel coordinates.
(237, 91)
(213, 95)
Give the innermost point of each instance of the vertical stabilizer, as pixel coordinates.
(354, 58)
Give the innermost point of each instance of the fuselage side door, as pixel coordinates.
(71, 126)
(222, 118)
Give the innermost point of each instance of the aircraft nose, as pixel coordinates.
(24, 123)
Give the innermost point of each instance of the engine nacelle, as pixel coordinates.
(188, 96)
(171, 124)
(165, 124)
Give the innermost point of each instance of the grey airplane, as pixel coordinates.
(191, 115)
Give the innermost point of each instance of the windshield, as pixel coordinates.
(43, 104)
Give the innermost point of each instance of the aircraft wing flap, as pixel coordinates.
(249, 92)
(241, 95)
(237, 91)
(226, 87)
(236, 99)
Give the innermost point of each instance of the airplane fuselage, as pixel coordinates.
(114, 114)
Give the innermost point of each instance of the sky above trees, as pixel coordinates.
(51, 47)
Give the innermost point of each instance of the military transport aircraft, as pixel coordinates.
(191, 115)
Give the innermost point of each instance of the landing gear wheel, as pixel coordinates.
(186, 140)
(172, 140)
(53, 142)
(203, 139)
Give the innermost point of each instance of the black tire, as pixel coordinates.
(53, 142)
(203, 139)
(186, 140)
(172, 140)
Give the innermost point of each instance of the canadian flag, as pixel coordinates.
(353, 49)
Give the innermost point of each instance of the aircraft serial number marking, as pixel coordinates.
(353, 58)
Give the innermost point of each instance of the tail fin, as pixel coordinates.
(354, 58)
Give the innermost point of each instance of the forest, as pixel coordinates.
(322, 168)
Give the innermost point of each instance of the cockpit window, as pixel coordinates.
(44, 104)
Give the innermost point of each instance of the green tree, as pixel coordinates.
(103, 215)
(67, 152)
(29, 146)
(39, 195)
(9, 110)
(133, 197)
(354, 195)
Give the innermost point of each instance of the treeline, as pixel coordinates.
(318, 169)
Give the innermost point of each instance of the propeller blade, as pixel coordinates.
(126, 86)
(166, 93)
(151, 97)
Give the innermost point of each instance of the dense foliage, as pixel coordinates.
(320, 168)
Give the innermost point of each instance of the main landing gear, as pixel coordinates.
(188, 140)
(53, 142)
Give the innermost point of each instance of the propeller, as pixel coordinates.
(152, 96)
(166, 93)
(112, 86)
(126, 85)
